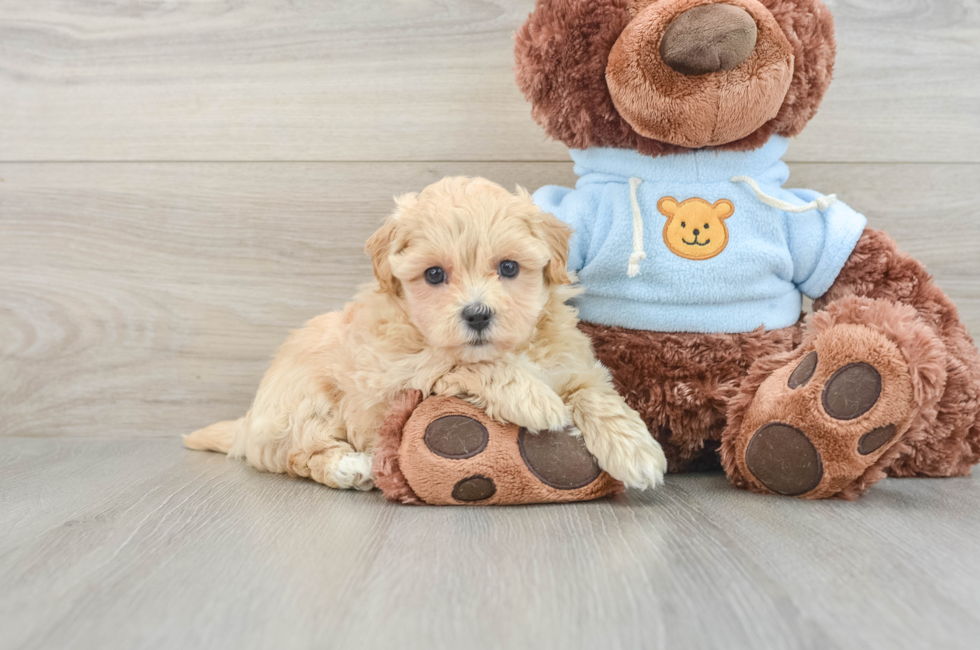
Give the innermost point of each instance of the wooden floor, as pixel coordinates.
(182, 182)
(137, 543)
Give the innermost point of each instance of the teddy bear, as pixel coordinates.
(694, 258)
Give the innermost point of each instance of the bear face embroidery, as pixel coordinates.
(695, 229)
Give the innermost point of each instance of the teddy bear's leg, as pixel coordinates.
(886, 379)
(681, 384)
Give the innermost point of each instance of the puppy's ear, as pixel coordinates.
(555, 233)
(379, 247)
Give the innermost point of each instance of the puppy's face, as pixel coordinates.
(473, 263)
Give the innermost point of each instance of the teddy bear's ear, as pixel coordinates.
(668, 206)
(723, 208)
(560, 57)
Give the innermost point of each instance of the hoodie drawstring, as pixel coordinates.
(637, 255)
(821, 203)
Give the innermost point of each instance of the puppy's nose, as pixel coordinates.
(696, 232)
(477, 316)
(708, 39)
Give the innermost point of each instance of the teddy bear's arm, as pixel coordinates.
(820, 240)
(879, 270)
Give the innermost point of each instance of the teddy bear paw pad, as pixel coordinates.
(456, 436)
(783, 459)
(558, 459)
(474, 488)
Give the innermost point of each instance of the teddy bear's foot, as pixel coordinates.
(825, 423)
(444, 451)
(819, 422)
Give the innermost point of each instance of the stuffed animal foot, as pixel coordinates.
(828, 422)
(444, 451)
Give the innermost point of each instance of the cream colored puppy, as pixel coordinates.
(468, 300)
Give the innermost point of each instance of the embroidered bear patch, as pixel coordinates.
(696, 229)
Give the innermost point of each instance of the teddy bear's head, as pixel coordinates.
(664, 76)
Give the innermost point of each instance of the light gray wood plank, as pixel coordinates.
(147, 299)
(142, 544)
(897, 63)
(418, 80)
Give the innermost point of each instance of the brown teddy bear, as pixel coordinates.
(693, 256)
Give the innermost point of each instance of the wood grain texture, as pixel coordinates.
(147, 299)
(410, 80)
(142, 544)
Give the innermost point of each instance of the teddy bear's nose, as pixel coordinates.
(708, 38)
(696, 232)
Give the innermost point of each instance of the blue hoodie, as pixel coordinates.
(699, 242)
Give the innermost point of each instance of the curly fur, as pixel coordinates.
(681, 384)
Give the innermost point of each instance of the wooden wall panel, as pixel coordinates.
(410, 80)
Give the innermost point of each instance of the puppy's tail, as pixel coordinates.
(217, 437)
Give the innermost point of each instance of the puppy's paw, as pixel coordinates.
(649, 467)
(450, 386)
(353, 471)
(632, 455)
(536, 407)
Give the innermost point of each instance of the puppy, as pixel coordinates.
(469, 300)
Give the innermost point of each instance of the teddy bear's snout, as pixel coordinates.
(708, 38)
(697, 73)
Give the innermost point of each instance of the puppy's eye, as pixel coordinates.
(435, 275)
(509, 269)
(705, 226)
(683, 224)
